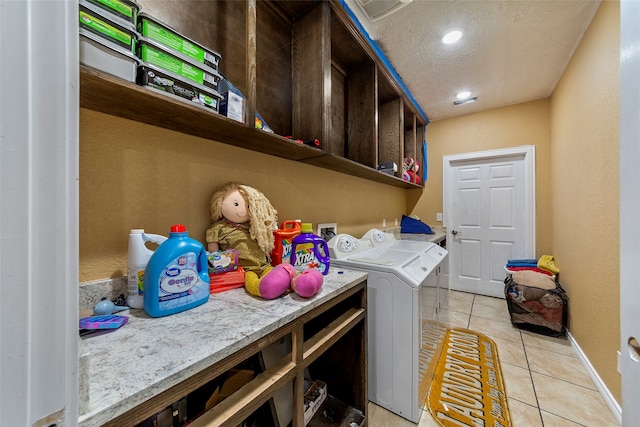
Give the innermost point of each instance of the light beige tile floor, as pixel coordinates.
(546, 383)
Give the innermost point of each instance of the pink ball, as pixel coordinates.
(289, 268)
(276, 282)
(307, 283)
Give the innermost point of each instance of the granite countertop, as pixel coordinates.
(147, 356)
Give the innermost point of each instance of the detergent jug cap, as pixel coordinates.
(307, 227)
(136, 231)
(178, 228)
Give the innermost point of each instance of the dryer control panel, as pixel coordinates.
(378, 237)
(344, 245)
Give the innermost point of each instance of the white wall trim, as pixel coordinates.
(608, 398)
(529, 154)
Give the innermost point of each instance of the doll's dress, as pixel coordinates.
(231, 235)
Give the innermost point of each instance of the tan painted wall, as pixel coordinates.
(523, 124)
(585, 174)
(576, 134)
(133, 175)
(138, 176)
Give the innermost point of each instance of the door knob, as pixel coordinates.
(634, 349)
(454, 232)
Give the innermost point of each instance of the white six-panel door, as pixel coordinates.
(488, 214)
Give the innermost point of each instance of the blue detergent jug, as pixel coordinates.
(176, 277)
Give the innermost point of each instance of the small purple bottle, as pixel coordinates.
(309, 251)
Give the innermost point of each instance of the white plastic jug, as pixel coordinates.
(137, 260)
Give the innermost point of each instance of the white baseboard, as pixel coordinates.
(611, 402)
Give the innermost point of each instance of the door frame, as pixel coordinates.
(39, 213)
(628, 364)
(528, 152)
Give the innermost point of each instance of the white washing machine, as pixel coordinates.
(402, 325)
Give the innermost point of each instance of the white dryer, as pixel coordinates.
(402, 326)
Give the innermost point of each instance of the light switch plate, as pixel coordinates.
(439, 216)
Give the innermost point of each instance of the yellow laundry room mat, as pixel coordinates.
(468, 388)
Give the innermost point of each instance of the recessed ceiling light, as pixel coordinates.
(452, 37)
(463, 95)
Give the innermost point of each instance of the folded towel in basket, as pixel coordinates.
(536, 269)
(521, 264)
(534, 279)
(546, 262)
(524, 261)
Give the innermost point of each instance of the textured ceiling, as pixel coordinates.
(511, 51)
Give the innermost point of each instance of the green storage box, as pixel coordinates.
(123, 9)
(108, 27)
(153, 53)
(167, 82)
(176, 42)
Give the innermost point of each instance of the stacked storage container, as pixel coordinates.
(108, 36)
(119, 40)
(172, 63)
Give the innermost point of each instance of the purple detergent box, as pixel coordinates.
(109, 321)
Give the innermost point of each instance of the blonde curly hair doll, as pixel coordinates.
(256, 209)
(244, 220)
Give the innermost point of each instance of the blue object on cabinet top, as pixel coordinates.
(414, 226)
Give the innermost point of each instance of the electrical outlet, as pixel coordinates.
(328, 230)
(439, 216)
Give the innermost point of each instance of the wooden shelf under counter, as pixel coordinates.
(146, 375)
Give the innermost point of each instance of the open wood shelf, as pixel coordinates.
(251, 396)
(111, 95)
(107, 94)
(304, 65)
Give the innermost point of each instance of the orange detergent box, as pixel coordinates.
(224, 271)
(283, 238)
(220, 282)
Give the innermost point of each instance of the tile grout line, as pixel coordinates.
(473, 301)
(533, 385)
(568, 382)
